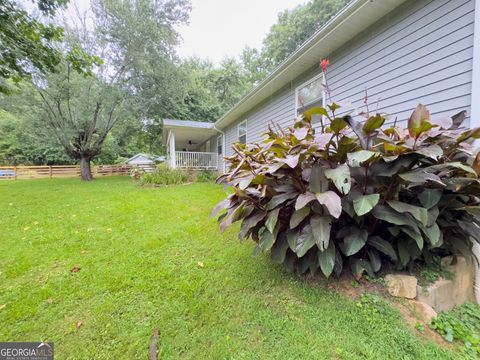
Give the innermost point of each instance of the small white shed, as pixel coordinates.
(144, 161)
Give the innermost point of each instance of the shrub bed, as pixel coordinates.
(163, 175)
(356, 194)
(461, 324)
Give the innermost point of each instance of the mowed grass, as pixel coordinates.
(151, 258)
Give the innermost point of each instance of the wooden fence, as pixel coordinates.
(59, 171)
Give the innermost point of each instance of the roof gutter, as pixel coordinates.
(330, 26)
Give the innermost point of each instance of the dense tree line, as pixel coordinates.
(97, 88)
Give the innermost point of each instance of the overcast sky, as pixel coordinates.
(220, 28)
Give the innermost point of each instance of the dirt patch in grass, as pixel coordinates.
(349, 287)
(413, 322)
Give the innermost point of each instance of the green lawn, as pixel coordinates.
(140, 252)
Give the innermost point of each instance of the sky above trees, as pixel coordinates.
(220, 28)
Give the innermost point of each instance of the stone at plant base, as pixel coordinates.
(424, 311)
(445, 294)
(404, 286)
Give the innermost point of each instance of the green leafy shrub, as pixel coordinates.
(427, 275)
(355, 193)
(163, 175)
(206, 176)
(460, 324)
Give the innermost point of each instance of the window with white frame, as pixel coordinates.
(219, 145)
(310, 94)
(242, 132)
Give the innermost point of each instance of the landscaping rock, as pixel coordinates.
(404, 286)
(445, 294)
(423, 311)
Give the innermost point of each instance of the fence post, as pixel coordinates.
(50, 171)
(111, 170)
(15, 172)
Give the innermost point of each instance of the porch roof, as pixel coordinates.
(188, 134)
(172, 123)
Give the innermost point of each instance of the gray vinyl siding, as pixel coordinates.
(420, 53)
(280, 109)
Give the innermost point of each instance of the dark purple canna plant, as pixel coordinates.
(356, 194)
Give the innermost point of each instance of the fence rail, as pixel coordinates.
(59, 171)
(196, 160)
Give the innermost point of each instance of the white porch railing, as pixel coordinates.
(196, 160)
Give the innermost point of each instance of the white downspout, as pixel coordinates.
(475, 122)
(224, 141)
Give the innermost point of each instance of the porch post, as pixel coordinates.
(173, 160)
(167, 149)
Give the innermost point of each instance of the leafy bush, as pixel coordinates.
(460, 324)
(427, 275)
(206, 176)
(163, 175)
(356, 193)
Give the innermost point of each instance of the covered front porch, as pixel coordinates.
(191, 144)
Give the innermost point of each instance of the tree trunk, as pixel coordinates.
(85, 171)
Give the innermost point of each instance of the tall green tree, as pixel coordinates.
(256, 65)
(28, 45)
(211, 90)
(292, 29)
(80, 112)
(140, 37)
(10, 145)
(24, 138)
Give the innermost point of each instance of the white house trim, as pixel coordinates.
(315, 78)
(246, 130)
(219, 143)
(475, 109)
(306, 83)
